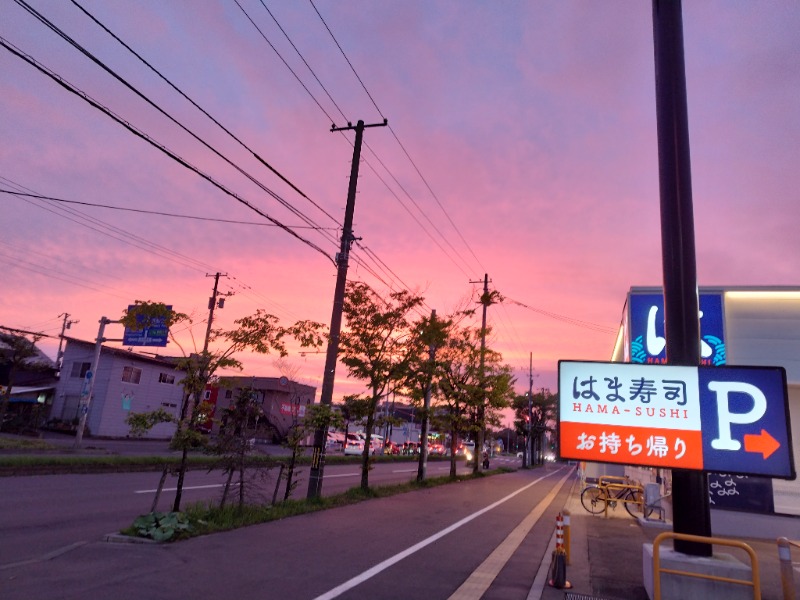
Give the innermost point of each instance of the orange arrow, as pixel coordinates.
(762, 443)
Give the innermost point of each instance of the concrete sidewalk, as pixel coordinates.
(606, 556)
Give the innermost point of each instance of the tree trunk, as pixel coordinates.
(290, 474)
(368, 443)
(176, 507)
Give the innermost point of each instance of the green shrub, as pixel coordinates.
(161, 526)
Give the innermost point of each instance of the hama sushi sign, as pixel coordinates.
(724, 419)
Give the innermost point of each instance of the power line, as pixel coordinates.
(305, 62)
(115, 233)
(159, 213)
(570, 320)
(108, 112)
(184, 95)
(381, 179)
(141, 95)
(394, 134)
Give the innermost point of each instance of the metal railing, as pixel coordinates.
(755, 583)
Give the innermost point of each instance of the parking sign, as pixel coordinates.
(726, 419)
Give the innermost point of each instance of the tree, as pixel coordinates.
(233, 444)
(423, 373)
(375, 348)
(316, 415)
(543, 409)
(474, 387)
(15, 354)
(260, 332)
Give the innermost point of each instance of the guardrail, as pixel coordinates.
(787, 570)
(755, 583)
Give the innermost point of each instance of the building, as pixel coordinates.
(32, 382)
(282, 400)
(739, 326)
(124, 382)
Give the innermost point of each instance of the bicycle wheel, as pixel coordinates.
(634, 503)
(593, 500)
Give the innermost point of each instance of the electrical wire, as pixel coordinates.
(142, 96)
(198, 107)
(565, 319)
(156, 212)
(108, 112)
(394, 134)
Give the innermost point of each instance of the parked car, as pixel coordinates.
(391, 448)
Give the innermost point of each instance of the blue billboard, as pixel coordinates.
(647, 336)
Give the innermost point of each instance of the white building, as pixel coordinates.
(124, 382)
(739, 326)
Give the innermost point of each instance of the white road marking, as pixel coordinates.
(186, 487)
(369, 573)
(482, 577)
(341, 475)
(44, 557)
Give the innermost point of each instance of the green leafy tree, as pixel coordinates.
(233, 443)
(423, 373)
(375, 348)
(459, 374)
(473, 389)
(318, 416)
(260, 332)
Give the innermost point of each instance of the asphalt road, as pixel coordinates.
(45, 514)
(435, 543)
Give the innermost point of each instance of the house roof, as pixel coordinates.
(40, 359)
(167, 361)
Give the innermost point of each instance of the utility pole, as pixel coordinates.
(212, 303)
(529, 449)
(692, 514)
(481, 413)
(426, 417)
(342, 262)
(66, 324)
(91, 377)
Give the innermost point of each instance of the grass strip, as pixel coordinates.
(207, 518)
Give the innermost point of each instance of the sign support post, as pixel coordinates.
(692, 513)
(87, 400)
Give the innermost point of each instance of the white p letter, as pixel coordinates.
(726, 417)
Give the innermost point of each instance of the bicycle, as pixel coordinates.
(611, 490)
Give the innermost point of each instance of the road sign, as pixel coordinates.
(155, 334)
(724, 419)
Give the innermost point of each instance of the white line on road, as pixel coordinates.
(369, 573)
(482, 577)
(49, 556)
(341, 475)
(186, 487)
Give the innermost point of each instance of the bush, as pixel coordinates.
(160, 526)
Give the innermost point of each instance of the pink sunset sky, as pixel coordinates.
(532, 123)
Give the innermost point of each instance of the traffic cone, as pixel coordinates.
(558, 566)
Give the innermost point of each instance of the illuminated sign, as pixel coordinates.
(647, 341)
(731, 419)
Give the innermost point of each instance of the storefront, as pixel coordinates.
(739, 326)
